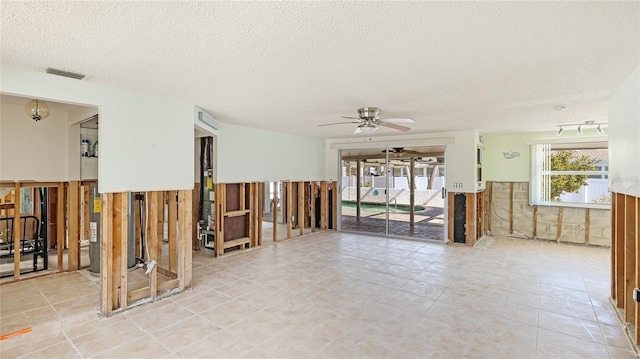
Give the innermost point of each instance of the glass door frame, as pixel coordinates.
(388, 175)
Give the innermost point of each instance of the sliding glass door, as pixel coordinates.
(394, 191)
(364, 184)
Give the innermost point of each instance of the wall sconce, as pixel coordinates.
(37, 109)
(580, 126)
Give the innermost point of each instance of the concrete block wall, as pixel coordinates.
(523, 213)
(499, 211)
(573, 222)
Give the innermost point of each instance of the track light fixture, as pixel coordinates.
(581, 126)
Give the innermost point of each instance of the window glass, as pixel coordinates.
(570, 174)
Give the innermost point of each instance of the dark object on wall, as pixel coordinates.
(459, 218)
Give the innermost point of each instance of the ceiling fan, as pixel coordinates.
(400, 151)
(368, 121)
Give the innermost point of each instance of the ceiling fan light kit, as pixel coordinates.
(369, 119)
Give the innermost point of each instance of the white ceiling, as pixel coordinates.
(288, 66)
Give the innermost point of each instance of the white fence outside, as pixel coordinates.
(396, 182)
(594, 190)
(374, 191)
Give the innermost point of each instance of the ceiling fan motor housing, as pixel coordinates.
(368, 112)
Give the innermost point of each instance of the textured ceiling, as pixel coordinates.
(288, 66)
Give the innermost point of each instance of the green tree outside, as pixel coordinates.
(567, 161)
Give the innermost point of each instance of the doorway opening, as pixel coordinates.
(397, 191)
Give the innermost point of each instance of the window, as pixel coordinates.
(570, 174)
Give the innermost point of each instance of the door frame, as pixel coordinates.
(386, 147)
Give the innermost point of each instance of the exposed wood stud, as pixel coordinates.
(324, 206)
(172, 283)
(152, 239)
(86, 196)
(195, 207)
(636, 336)
(219, 236)
(289, 211)
(630, 240)
(275, 211)
(535, 221)
(160, 225)
(334, 206)
(470, 218)
(489, 204)
(17, 228)
(184, 241)
(587, 225)
(620, 249)
(242, 197)
(450, 216)
(172, 213)
(137, 221)
(115, 243)
(137, 294)
(259, 210)
(73, 253)
(60, 225)
(312, 208)
(106, 255)
(614, 239)
(252, 219)
(559, 228)
(123, 208)
(511, 207)
(301, 207)
(249, 215)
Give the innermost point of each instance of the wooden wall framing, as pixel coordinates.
(238, 216)
(508, 213)
(166, 275)
(625, 263)
(64, 227)
(474, 223)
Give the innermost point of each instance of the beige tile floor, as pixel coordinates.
(336, 295)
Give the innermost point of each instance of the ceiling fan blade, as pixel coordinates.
(394, 126)
(338, 123)
(351, 118)
(398, 120)
(358, 130)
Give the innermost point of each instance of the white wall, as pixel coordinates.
(459, 161)
(499, 168)
(251, 154)
(32, 150)
(624, 135)
(146, 142)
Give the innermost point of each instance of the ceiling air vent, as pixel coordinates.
(73, 75)
(208, 119)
